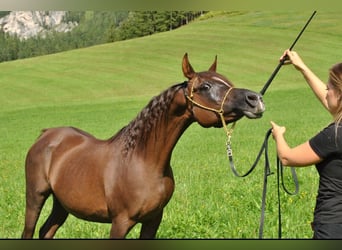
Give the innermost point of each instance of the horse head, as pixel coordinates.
(212, 95)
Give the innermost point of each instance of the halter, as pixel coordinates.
(220, 111)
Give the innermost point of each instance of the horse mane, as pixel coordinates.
(139, 129)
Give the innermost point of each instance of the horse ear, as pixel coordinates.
(188, 71)
(213, 66)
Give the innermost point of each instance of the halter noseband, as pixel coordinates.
(220, 111)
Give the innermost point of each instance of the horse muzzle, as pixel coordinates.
(255, 106)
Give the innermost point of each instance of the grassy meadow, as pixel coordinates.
(102, 88)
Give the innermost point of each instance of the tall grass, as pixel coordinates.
(100, 89)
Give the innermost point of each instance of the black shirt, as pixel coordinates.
(328, 146)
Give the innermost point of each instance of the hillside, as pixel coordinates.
(248, 46)
(101, 88)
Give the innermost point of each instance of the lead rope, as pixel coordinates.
(267, 172)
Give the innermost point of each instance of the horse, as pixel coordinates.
(127, 179)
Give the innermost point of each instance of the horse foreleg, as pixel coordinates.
(149, 228)
(56, 219)
(121, 225)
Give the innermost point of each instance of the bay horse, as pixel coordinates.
(127, 179)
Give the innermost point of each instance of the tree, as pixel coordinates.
(94, 27)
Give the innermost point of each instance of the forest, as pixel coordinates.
(94, 27)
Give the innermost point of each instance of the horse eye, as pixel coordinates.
(205, 86)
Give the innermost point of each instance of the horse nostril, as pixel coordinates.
(253, 99)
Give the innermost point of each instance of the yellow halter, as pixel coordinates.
(218, 111)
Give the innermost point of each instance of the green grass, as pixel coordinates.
(100, 89)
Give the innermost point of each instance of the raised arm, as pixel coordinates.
(316, 84)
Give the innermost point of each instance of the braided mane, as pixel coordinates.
(139, 129)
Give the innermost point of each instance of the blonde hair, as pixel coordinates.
(335, 79)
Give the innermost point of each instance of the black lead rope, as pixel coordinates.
(267, 172)
(264, 149)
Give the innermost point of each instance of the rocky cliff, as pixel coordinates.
(26, 24)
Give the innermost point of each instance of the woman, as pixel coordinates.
(324, 150)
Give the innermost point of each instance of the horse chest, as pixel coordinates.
(155, 197)
(163, 190)
(144, 192)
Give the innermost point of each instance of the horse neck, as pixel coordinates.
(156, 130)
(170, 128)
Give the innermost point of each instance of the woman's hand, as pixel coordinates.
(277, 130)
(293, 57)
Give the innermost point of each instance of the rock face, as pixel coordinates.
(26, 24)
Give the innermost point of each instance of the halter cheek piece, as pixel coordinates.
(220, 111)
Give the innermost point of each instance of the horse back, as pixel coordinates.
(58, 147)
